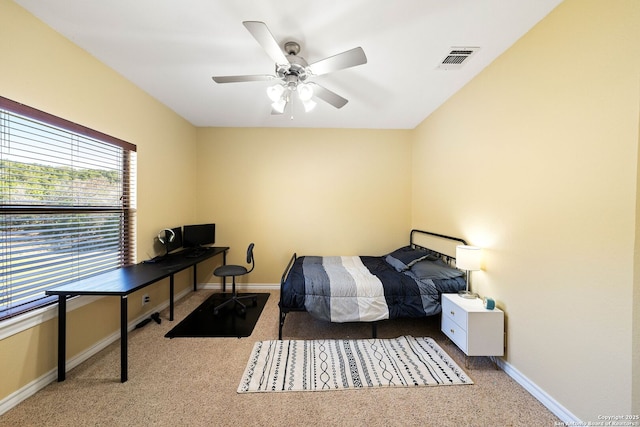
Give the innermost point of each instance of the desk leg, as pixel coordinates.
(123, 339)
(195, 277)
(171, 297)
(62, 336)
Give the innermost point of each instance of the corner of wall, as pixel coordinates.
(635, 345)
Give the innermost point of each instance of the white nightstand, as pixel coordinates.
(474, 329)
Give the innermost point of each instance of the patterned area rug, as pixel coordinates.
(316, 365)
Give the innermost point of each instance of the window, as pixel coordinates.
(67, 205)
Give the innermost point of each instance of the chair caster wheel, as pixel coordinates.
(255, 302)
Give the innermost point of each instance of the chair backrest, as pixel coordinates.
(250, 259)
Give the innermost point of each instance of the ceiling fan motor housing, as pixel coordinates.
(297, 65)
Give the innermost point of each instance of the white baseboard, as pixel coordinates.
(27, 391)
(242, 287)
(551, 404)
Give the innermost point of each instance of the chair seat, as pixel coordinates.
(230, 270)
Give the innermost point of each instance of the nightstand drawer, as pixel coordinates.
(454, 312)
(455, 333)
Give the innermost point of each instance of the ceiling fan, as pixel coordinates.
(294, 73)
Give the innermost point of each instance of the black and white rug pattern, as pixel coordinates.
(317, 365)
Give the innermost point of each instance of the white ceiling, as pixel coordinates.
(171, 49)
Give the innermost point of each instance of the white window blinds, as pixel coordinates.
(67, 205)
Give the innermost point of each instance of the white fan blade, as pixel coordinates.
(237, 79)
(263, 36)
(343, 60)
(328, 96)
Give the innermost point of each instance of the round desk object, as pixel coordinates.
(489, 303)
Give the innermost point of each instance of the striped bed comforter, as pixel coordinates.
(360, 289)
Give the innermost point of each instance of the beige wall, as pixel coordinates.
(46, 71)
(316, 191)
(540, 156)
(635, 366)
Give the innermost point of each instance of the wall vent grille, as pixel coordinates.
(457, 57)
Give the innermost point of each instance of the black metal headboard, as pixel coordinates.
(446, 242)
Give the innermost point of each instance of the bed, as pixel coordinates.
(406, 282)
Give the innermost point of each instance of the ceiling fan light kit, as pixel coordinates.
(293, 71)
(280, 95)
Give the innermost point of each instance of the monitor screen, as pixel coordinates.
(177, 241)
(199, 235)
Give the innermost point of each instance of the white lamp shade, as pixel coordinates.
(308, 105)
(279, 105)
(468, 257)
(275, 92)
(305, 92)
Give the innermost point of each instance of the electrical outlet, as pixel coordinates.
(145, 299)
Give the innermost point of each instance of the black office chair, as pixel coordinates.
(233, 271)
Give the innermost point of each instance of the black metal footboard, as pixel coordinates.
(284, 310)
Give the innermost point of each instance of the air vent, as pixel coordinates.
(457, 57)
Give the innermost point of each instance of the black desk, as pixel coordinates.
(122, 282)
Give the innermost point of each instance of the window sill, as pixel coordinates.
(33, 318)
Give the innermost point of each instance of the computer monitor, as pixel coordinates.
(199, 235)
(177, 241)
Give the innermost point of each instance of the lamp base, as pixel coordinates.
(467, 294)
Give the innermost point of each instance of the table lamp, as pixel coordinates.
(468, 259)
